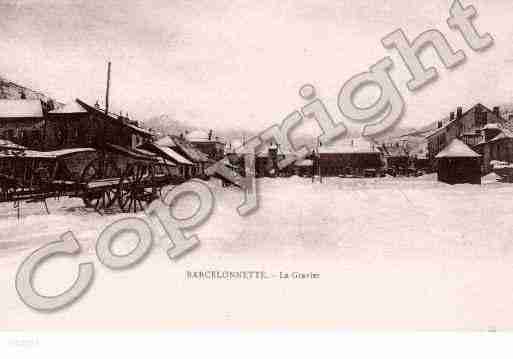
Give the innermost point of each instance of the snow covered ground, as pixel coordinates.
(392, 253)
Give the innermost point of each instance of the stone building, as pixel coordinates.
(466, 126)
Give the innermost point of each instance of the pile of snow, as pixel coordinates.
(491, 177)
(500, 164)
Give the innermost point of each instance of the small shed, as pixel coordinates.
(458, 163)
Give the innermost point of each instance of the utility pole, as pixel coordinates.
(108, 89)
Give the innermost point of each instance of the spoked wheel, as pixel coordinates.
(101, 199)
(136, 188)
(100, 196)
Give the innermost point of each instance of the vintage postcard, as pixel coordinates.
(256, 165)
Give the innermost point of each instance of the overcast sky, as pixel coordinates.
(240, 63)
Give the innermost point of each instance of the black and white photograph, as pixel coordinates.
(319, 165)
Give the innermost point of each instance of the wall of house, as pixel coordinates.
(88, 130)
(459, 170)
(436, 143)
(70, 131)
(334, 164)
(27, 132)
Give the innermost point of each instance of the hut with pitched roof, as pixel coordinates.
(458, 163)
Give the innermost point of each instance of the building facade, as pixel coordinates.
(212, 146)
(467, 126)
(23, 122)
(352, 157)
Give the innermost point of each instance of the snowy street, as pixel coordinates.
(391, 253)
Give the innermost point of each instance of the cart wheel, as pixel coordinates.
(101, 199)
(136, 187)
(99, 169)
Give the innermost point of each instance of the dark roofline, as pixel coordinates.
(109, 117)
(150, 146)
(463, 115)
(189, 151)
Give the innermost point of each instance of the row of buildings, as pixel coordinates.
(486, 135)
(355, 157)
(38, 125)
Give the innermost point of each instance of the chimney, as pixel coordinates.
(496, 111)
(439, 124)
(210, 135)
(451, 116)
(459, 113)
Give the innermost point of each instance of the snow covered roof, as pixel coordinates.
(133, 153)
(165, 141)
(189, 150)
(491, 126)
(457, 149)
(500, 164)
(197, 136)
(395, 151)
(139, 130)
(491, 118)
(357, 145)
(174, 156)
(10, 145)
(72, 107)
(70, 151)
(113, 117)
(304, 163)
(201, 136)
(20, 108)
(47, 154)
